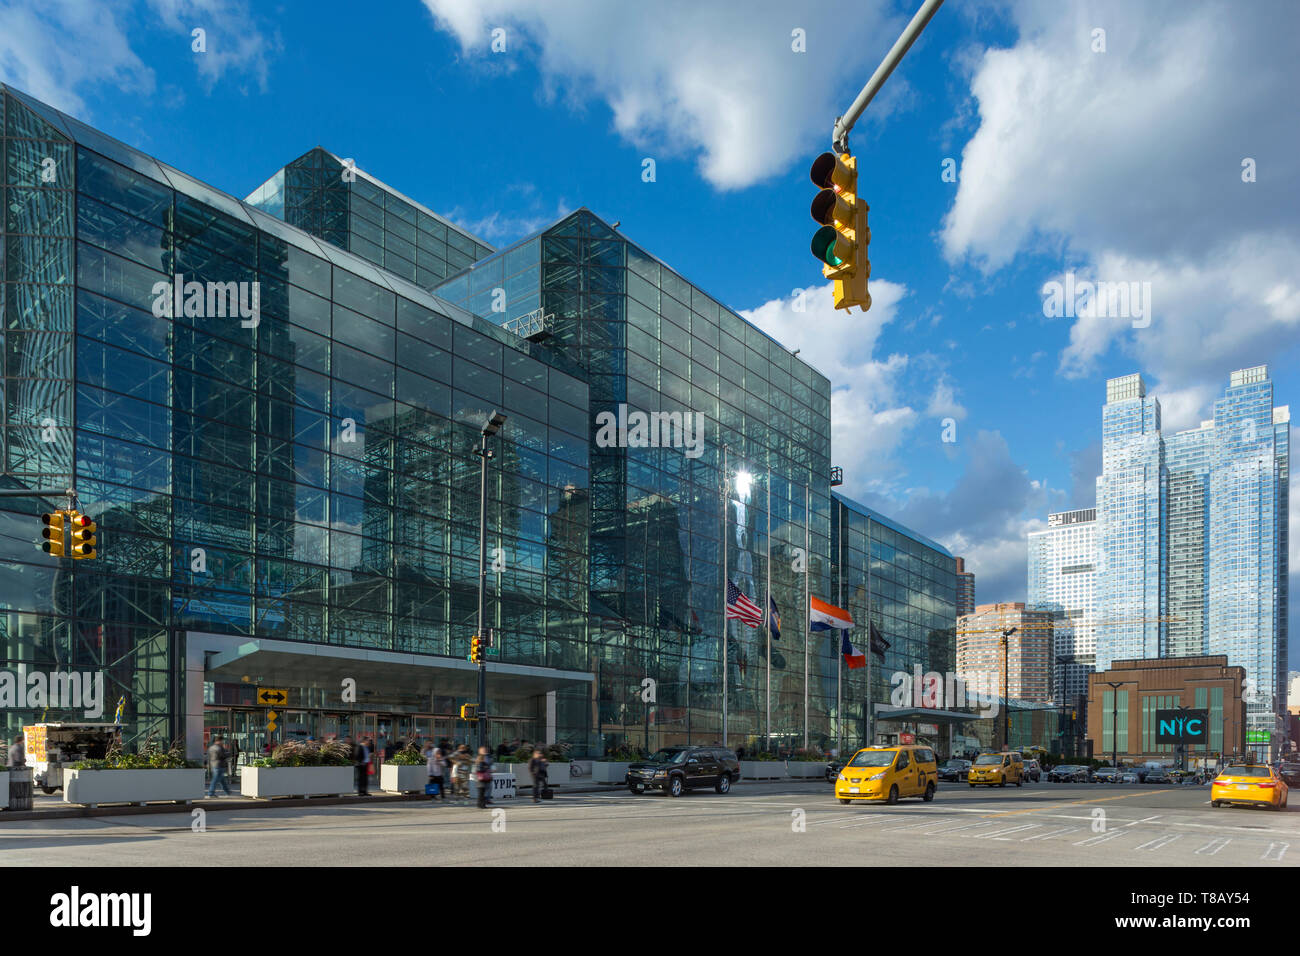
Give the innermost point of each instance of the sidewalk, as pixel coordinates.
(52, 807)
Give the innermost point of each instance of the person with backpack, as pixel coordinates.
(537, 768)
(483, 777)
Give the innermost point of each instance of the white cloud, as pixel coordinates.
(502, 230)
(869, 417)
(234, 43)
(42, 52)
(683, 77)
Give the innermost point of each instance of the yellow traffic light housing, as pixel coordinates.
(469, 712)
(476, 650)
(83, 536)
(53, 533)
(841, 242)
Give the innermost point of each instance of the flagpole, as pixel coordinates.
(768, 691)
(839, 658)
(871, 649)
(725, 580)
(807, 570)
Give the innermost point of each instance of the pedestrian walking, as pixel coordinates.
(360, 762)
(483, 777)
(17, 752)
(537, 767)
(435, 765)
(461, 761)
(217, 756)
(232, 759)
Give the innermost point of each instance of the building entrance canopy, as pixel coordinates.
(290, 664)
(925, 715)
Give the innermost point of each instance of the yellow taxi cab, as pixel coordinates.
(997, 770)
(888, 773)
(1254, 784)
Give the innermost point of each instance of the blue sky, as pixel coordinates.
(1122, 164)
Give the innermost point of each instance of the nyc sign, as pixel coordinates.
(1182, 726)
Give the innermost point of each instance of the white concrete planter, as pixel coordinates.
(4, 789)
(556, 773)
(807, 769)
(92, 787)
(762, 770)
(297, 781)
(394, 778)
(610, 771)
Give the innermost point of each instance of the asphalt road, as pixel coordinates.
(756, 824)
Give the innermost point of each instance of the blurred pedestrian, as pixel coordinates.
(17, 752)
(537, 767)
(461, 761)
(360, 763)
(483, 777)
(436, 764)
(217, 756)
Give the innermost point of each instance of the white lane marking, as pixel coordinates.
(1051, 833)
(1214, 846)
(1278, 848)
(998, 833)
(1101, 838)
(1147, 820)
(967, 826)
(1160, 841)
(910, 826)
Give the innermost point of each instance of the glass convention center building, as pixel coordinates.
(273, 408)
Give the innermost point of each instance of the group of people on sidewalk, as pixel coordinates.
(458, 764)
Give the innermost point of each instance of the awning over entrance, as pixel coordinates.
(292, 664)
(926, 715)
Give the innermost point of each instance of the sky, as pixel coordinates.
(1018, 142)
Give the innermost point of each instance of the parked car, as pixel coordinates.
(1290, 774)
(1129, 776)
(674, 770)
(1158, 776)
(1106, 775)
(955, 770)
(1033, 770)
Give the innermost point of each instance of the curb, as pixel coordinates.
(73, 812)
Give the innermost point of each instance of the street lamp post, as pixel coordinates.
(1114, 721)
(490, 428)
(1006, 697)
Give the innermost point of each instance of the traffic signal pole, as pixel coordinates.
(844, 124)
(482, 581)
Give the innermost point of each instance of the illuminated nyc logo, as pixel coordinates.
(1181, 726)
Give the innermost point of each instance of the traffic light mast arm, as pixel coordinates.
(843, 124)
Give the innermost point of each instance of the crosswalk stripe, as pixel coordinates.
(1050, 833)
(1279, 848)
(1214, 846)
(1160, 841)
(968, 826)
(997, 834)
(1102, 838)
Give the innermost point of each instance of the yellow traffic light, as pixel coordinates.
(469, 712)
(53, 533)
(475, 650)
(83, 536)
(841, 242)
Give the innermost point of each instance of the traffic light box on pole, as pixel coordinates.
(469, 713)
(476, 649)
(53, 533)
(83, 537)
(841, 242)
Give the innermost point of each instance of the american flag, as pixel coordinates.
(742, 608)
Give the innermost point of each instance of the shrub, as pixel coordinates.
(408, 756)
(152, 756)
(308, 753)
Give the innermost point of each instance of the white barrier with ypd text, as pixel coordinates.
(503, 786)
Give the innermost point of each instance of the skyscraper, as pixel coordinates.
(965, 589)
(1193, 536)
(1062, 579)
(1028, 654)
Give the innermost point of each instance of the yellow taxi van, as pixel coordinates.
(888, 774)
(997, 770)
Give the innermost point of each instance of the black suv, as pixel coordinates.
(674, 770)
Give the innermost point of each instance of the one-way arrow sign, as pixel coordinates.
(272, 695)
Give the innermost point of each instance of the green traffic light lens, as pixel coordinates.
(823, 246)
